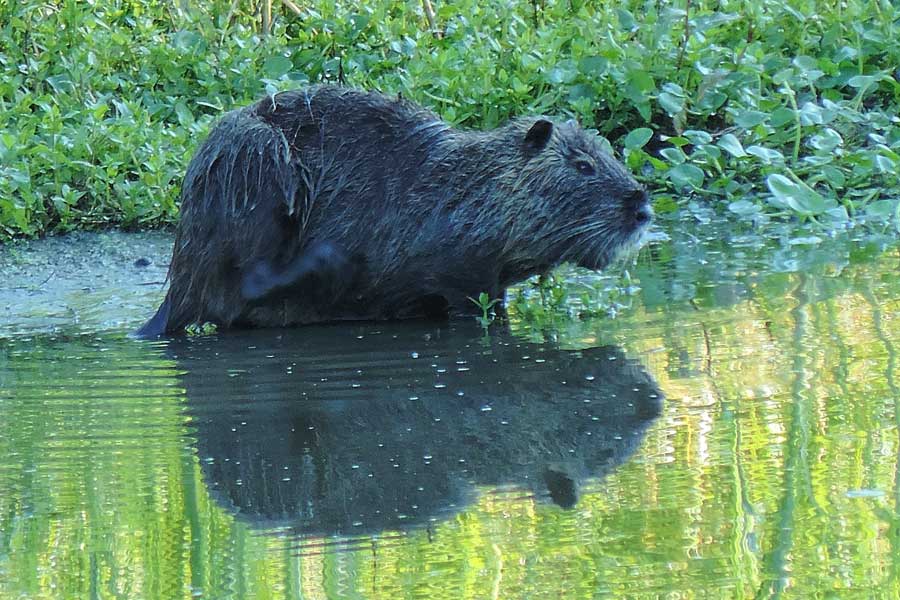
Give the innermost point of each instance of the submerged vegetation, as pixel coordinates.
(760, 109)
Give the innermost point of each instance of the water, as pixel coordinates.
(732, 433)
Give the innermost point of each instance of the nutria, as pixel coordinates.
(328, 204)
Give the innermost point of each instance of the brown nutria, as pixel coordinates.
(329, 203)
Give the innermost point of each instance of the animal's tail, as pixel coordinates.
(158, 324)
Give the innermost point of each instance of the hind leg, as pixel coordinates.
(328, 264)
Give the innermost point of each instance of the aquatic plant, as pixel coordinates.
(764, 109)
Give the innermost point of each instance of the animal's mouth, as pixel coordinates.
(628, 242)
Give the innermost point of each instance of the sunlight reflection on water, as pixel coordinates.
(421, 461)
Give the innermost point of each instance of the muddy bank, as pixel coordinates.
(82, 282)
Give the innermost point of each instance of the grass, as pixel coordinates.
(760, 109)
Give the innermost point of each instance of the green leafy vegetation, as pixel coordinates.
(486, 305)
(760, 109)
(200, 329)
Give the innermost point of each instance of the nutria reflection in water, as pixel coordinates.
(350, 430)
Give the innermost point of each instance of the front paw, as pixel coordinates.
(258, 282)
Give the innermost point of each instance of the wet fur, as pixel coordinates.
(330, 204)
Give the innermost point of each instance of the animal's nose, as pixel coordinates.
(643, 215)
(638, 202)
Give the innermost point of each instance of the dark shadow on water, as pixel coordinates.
(359, 429)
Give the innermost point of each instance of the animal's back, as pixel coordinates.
(296, 169)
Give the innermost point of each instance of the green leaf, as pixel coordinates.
(626, 19)
(782, 116)
(826, 141)
(885, 164)
(731, 145)
(861, 81)
(833, 176)
(811, 114)
(564, 72)
(766, 155)
(673, 155)
(593, 65)
(800, 198)
(671, 103)
(638, 138)
(185, 117)
(697, 136)
(882, 209)
(750, 118)
(187, 40)
(686, 175)
(642, 81)
(581, 91)
(276, 66)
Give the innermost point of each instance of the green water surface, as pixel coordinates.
(731, 433)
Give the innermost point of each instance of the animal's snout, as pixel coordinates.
(637, 203)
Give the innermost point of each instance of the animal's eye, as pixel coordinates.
(584, 167)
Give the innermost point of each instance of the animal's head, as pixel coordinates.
(587, 204)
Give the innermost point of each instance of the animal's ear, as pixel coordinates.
(538, 136)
